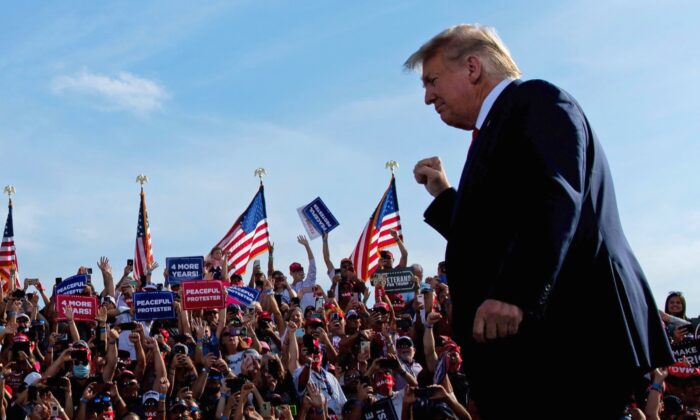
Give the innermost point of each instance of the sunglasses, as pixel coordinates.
(80, 362)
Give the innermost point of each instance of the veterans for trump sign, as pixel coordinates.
(153, 305)
(205, 294)
(72, 285)
(184, 268)
(397, 280)
(84, 307)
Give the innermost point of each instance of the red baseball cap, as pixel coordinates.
(295, 266)
(682, 371)
(386, 254)
(381, 305)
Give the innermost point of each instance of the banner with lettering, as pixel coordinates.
(184, 268)
(84, 307)
(71, 285)
(241, 295)
(205, 294)
(154, 305)
(317, 218)
(689, 349)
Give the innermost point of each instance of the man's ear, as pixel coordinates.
(473, 67)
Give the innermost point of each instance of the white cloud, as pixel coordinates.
(123, 92)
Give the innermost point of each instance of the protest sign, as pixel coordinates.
(317, 219)
(71, 285)
(241, 295)
(397, 280)
(84, 307)
(310, 228)
(154, 305)
(205, 294)
(184, 268)
(689, 349)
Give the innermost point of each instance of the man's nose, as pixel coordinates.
(429, 96)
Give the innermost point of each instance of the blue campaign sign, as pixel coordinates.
(72, 285)
(184, 268)
(241, 295)
(318, 214)
(154, 305)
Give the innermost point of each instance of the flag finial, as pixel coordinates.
(392, 165)
(9, 190)
(260, 173)
(142, 179)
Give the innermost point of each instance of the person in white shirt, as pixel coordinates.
(303, 285)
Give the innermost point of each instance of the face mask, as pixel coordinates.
(81, 371)
(384, 384)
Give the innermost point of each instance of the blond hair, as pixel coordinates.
(463, 40)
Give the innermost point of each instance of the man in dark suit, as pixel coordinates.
(553, 308)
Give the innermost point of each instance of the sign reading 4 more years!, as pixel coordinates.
(184, 268)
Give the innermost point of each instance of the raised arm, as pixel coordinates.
(403, 262)
(107, 278)
(327, 253)
(270, 258)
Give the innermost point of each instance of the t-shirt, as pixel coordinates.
(308, 299)
(396, 401)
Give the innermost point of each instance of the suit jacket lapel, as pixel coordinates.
(487, 135)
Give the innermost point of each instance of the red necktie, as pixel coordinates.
(475, 133)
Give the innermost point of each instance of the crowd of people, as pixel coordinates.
(299, 352)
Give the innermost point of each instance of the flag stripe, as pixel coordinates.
(143, 251)
(376, 234)
(8, 254)
(248, 237)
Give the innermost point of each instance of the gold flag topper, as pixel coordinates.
(9, 190)
(260, 173)
(142, 179)
(392, 165)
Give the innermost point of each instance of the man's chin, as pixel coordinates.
(452, 122)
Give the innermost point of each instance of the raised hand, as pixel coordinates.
(430, 173)
(68, 312)
(103, 265)
(302, 240)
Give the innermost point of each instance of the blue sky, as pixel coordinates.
(197, 95)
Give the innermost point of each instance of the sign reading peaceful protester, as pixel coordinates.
(689, 349)
(184, 268)
(84, 307)
(72, 285)
(397, 280)
(153, 305)
(205, 294)
(317, 219)
(241, 295)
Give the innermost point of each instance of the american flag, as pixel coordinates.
(8, 256)
(376, 236)
(144, 252)
(248, 237)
